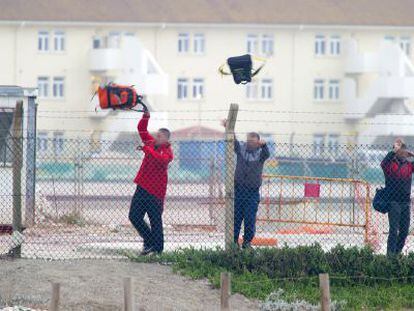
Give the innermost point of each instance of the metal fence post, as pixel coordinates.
(17, 172)
(229, 176)
(30, 162)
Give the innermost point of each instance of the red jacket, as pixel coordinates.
(153, 173)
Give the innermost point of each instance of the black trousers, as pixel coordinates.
(399, 225)
(144, 203)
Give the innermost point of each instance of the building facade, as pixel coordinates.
(323, 83)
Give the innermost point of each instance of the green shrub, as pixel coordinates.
(354, 265)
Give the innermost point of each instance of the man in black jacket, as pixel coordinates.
(398, 175)
(251, 157)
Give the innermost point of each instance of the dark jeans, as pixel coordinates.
(399, 224)
(144, 203)
(246, 202)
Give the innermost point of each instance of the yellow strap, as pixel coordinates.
(222, 71)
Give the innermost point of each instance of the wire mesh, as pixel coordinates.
(308, 194)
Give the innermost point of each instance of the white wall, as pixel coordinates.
(292, 68)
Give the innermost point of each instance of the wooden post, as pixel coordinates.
(229, 177)
(325, 292)
(54, 303)
(17, 151)
(225, 291)
(128, 306)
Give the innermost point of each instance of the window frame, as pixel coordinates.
(43, 41)
(319, 89)
(268, 41)
(183, 40)
(199, 43)
(266, 89)
(318, 147)
(320, 45)
(198, 88)
(405, 44)
(58, 143)
(58, 87)
(59, 40)
(42, 142)
(334, 86)
(335, 45)
(44, 81)
(252, 39)
(183, 87)
(333, 144)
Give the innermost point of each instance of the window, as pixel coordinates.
(43, 86)
(262, 89)
(58, 87)
(318, 145)
(333, 89)
(183, 42)
(318, 89)
(251, 90)
(59, 41)
(182, 88)
(58, 143)
(335, 45)
(405, 44)
(96, 42)
(199, 43)
(252, 44)
(320, 45)
(389, 38)
(43, 41)
(42, 142)
(198, 88)
(333, 144)
(267, 45)
(266, 89)
(114, 40)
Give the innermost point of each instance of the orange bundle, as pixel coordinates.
(114, 96)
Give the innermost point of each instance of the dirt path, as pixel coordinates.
(97, 285)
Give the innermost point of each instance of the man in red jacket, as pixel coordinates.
(151, 183)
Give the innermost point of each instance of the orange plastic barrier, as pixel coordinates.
(317, 205)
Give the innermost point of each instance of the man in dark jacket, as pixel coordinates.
(251, 157)
(398, 174)
(151, 181)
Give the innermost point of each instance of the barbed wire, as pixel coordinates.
(226, 111)
(316, 122)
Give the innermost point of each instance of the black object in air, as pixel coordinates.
(241, 68)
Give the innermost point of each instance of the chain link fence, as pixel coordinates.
(309, 194)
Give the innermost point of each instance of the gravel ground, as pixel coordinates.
(97, 285)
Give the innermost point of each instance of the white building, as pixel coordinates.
(336, 71)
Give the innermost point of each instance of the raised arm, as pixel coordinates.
(265, 152)
(236, 145)
(164, 158)
(142, 128)
(385, 164)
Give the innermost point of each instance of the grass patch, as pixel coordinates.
(360, 279)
